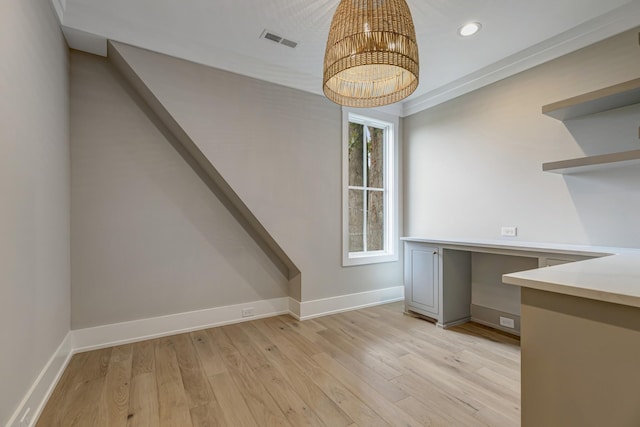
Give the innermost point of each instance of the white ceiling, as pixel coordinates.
(516, 35)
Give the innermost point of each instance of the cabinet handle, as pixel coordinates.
(435, 252)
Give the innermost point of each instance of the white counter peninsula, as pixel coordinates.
(580, 341)
(579, 315)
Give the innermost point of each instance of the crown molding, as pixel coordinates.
(610, 24)
(85, 41)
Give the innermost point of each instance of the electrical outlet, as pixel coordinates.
(25, 421)
(247, 312)
(507, 322)
(509, 231)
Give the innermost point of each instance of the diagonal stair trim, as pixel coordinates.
(190, 152)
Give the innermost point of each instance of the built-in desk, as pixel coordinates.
(438, 276)
(580, 335)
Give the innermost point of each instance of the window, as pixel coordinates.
(369, 189)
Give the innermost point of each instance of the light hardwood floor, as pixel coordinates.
(371, 367)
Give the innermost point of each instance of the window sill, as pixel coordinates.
(364, 259)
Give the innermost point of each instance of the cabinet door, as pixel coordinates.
(423, 279)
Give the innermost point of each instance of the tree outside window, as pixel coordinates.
(366, 188)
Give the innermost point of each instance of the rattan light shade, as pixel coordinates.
(372, 54)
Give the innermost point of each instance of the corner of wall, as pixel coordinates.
(38, 394)
(295, 286)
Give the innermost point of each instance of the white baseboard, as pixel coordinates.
(333, 305)
(43, 386)
(144, 329)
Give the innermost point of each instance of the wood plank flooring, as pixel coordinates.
(371, 367)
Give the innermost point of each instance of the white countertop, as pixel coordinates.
(517, 245)
(612, 276)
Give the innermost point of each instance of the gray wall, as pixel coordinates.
(279, 149)
(473, 164)
(487, 289)
(34, 184)
(148, 236)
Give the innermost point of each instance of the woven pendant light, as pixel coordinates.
(372, 54)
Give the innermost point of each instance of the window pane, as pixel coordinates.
(356, 170)
(356, 220)
(375, 220)
(375, 162)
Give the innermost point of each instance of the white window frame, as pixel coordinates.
(390, 124)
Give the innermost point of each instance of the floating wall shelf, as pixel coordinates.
(585, 164)
(609, 98)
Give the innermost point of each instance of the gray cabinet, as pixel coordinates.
(437, 283)
(422, 288)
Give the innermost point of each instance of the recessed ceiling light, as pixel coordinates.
(469, 29)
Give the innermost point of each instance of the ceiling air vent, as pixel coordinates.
(289, 43)
(270, 35)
